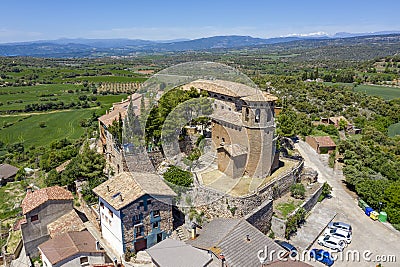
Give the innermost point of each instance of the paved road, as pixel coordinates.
(368, 235)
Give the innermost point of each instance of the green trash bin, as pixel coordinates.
(382, 216)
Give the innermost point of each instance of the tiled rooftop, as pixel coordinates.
(126, 187)
(67, 245)
(7, 170)
(67, 223)
(36, 198)
(324, 141)
(229, 237)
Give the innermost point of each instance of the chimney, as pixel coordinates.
(97, 245)
(222, 258)
(194, 233)
(108, 188)
(121, 198)
(248, 237)
(29, 189)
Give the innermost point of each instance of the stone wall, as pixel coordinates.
(278, 226)
(215, 204)
(35, 233)
(261, 216)
(165, 222)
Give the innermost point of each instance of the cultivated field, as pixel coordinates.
(385, 92)
(394, 129)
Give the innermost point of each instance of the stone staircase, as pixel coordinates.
(181, 233)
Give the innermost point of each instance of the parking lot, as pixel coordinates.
(372, 240)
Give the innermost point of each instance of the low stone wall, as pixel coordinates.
(215, 204)
(278, 226)
(261, 216)
(312, 200)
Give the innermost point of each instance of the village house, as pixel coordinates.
(321, 144)
(72, 249)
(235, 241)
(135, 211)
(7, 173)
(112, 151)
(41, 208)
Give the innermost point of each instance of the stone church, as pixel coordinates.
(243, 127)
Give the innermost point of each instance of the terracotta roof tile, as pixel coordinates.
(324, 141)
(67, 223)
(36, 198)
(122, 108)
(67, 245)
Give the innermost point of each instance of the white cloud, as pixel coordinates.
(311, 34)
(9, 35)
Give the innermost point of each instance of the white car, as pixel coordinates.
(332, 242)
(339, 234)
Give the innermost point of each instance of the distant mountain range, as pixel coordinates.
(125, 47)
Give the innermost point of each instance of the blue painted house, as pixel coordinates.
(135, 210)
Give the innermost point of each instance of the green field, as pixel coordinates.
(97, 79)
(61, 124)
(16, 98)
(394, 129)
(383, 91)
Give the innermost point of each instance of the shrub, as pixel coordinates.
(178, 176)
(42, 124)
(298, 191)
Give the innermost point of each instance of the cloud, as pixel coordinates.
(9, 35)
(311, 34)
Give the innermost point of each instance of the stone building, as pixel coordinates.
(40, 208)
(112, 151)
(135, 210)
(321, 144)
(7, 173)
(243, 127)
(243, 130)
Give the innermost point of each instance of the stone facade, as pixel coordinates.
(261, 217)
(34, 230)
(146, 222)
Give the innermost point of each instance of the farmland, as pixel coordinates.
(385, 92)
(394, 129)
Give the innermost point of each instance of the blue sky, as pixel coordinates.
(23, 20)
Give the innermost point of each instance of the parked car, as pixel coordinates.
(339, 233)
(332, 242)
(290, 248)
(340, 225)
(322, 256)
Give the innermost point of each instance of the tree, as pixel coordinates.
(178, 177)
(53, 178)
